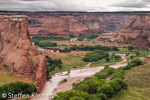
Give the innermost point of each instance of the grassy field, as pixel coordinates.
(6, 78)
(103, 62)
(85, 39)
(71, 61)
(64, 46)
(138, 79)
(125, 50)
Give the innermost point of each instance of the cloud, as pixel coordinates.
(74, 5)
(130, 5)
(146, 0)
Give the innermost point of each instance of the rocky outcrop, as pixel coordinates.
(17, 52)
(108, 36)
(116, 21)
(139, 27)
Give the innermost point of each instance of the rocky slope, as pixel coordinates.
(140, 26)
(17, 53)
(116, 21)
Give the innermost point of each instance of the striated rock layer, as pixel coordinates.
(60, 24)
(64, 24)
(140, 26)
(17, 52)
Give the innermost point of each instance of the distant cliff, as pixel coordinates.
(139, 26)
(17, 52)
(64, 24)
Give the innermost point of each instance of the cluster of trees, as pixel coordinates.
(116, 57)
(15, 88)
(95, 55)
(47, 38)
(88, 48)
(96, 85)
(92, 36)
(88, 37)
(52, 64)
(66, 50)
(71, 35)
(91, 48)
(80, 38)
(45, 44)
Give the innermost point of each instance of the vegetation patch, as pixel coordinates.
(45, 44)
(17, 87)
(91, 86)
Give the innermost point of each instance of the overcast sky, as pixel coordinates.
(75, 5)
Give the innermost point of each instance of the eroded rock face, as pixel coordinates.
(64, 24)
(140, 26)
(61, 24)
(17, 52)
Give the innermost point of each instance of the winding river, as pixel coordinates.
(85, 72)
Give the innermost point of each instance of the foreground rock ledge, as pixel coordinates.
(17, 52)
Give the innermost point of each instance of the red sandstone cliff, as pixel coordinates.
(59, 24)
(140, 26)
(17, 52)
(64, 24)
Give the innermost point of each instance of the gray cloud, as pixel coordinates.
(130, 5)
(73, 5)
(31, 0)
(146, 0)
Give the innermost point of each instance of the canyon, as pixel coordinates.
(23, 60)
(17, 53)
(77, 24)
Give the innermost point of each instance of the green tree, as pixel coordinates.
(138, 61)
(83, 87)
(106, 89)
(102, 96)
(60, 66)
(118, 75)
(115, 85)
(55, 50)
(76, 98)
(130, 48)
(122, 83)
(117, 57)
(107, 59)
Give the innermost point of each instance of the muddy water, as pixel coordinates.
(52, 83)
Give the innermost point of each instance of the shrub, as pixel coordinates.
(64, 80)
(107, 59)
(138, 61)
